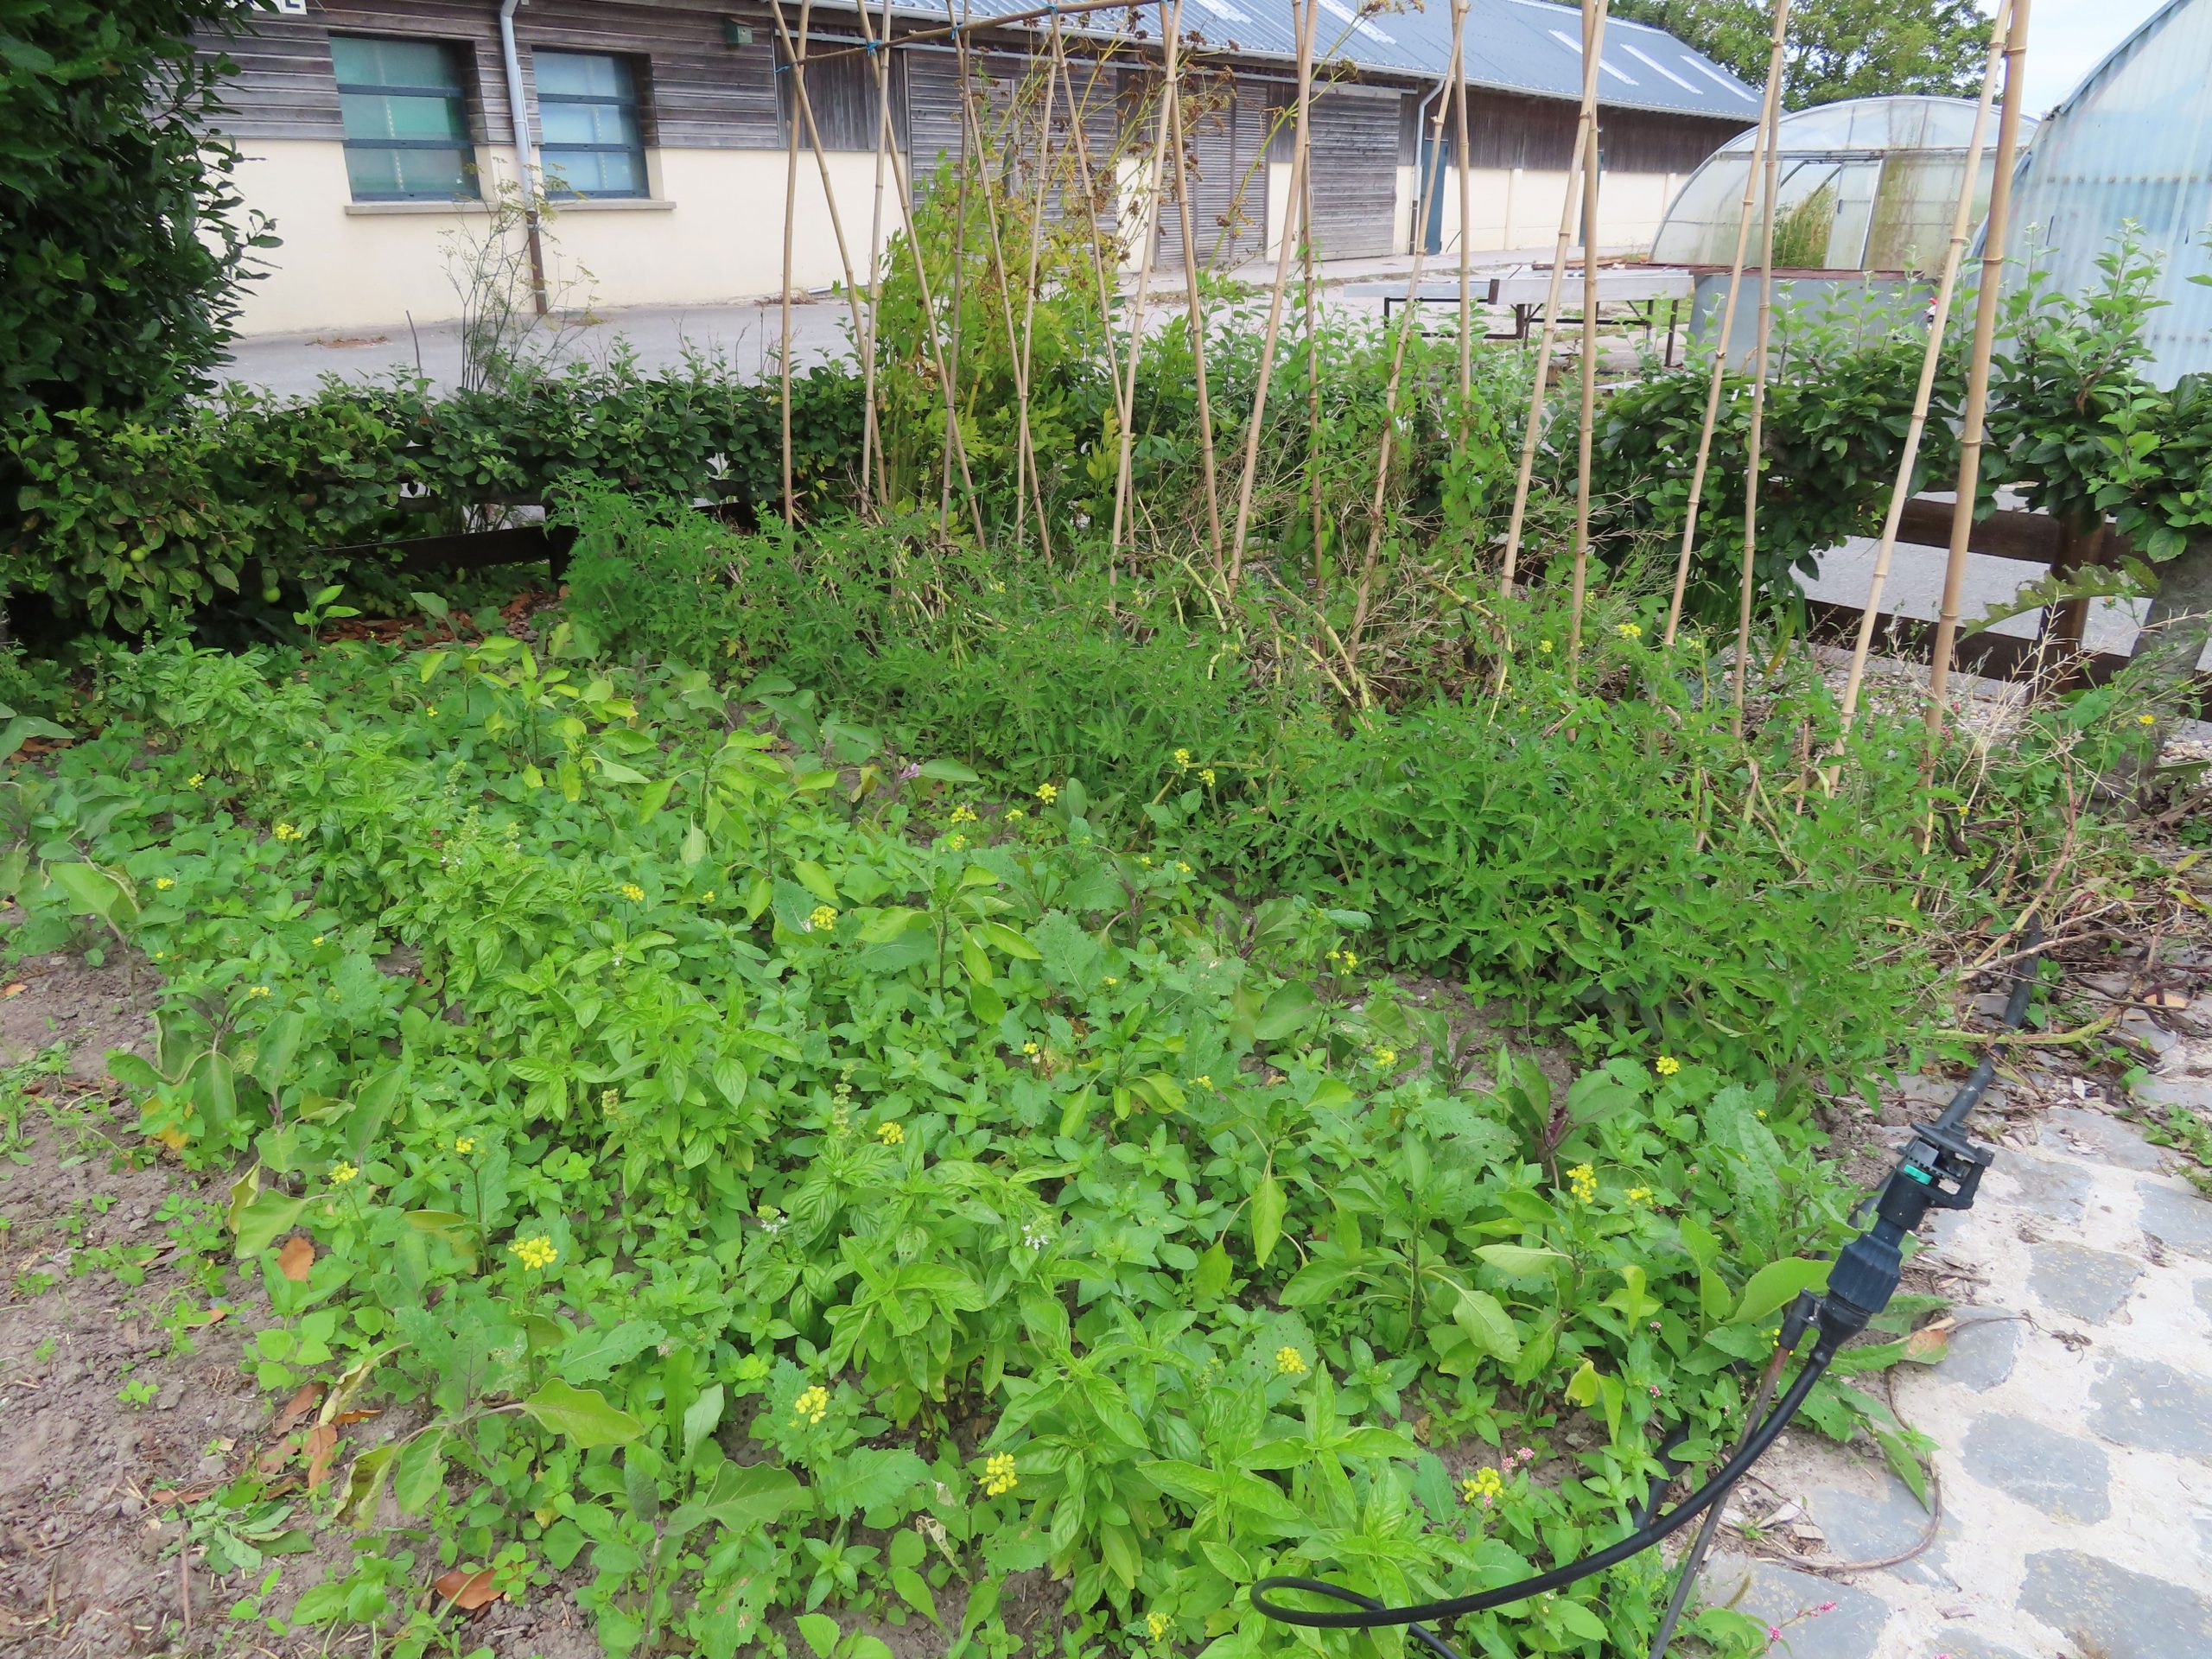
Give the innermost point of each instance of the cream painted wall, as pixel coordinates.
(1407, 187)
(1278, 214)
(713, 234)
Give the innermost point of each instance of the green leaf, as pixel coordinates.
(597, 1350)
(950, 771)
(821, 1633)
(584, 1415)
(1002, 938)
(744, 1496)
(814, 880)
(1210, 1277)
(914, 1591)
(1519, 1260)
(1487, 1325)
(260, 1223)
(95, 891)
(1267, 1206)
(1777, 1284)
(1285, 1013)
(701, 1418)
(1582, 1388)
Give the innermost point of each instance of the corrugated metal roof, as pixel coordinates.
(1521, 46)
(2133, 142)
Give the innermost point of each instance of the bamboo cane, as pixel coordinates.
(797, 67)
(1171, 24)
(1593, 44)
(1195, 311)
(1029, 295)
(1994, 230)
(1425, 202)
(805, 112)
(1310, 315)
(1311, 10)
(871, 422)
(1466, 216)
(1549, 337)
(1930, 359)
(1773, 92)
(1086, 185)
(1754, 441)
(959, 278)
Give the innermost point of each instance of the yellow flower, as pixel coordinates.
(1629, 631)
(813, 1406)
(633, 892)
(1386, 1058)
(1155, 1625)
(464, 1144)
(1203, 1082)
(257, 990)
(1638, 1195)
(1181, 866)
(999, 1478)
(318, 938)
(1760, 1114)
(1029, 1048)
(1182, 760)
(2147, 719)
(1350, 961)
(535, 1253)
(1110, 979)
(964, 814)
(195, 781)
(1290, 1361)
(1205, 776)
(1047, 793)
(1485, 1486)
(341, 1172)
(891, 1135)
(287, 832)
(1666, 1065)
(1583, 1180)
(1015, 815)
(708, 897)
(1544, 646)
(820, 917)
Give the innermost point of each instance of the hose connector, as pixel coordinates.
(1941, 1170)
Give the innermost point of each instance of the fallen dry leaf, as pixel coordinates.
(297, 1257)
(1930, 1342)
(345, 1417)
(468, 1591)
(2166, 999)
(275, 1457)
(298, 1407)
(322, 1446)
(15, 989)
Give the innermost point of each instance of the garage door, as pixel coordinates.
(1355, 162)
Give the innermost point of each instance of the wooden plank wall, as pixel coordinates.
(1355, 164)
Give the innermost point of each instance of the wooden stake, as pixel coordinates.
(1029, 292)
(1196, 313)
(872, 423)
(959, 277)
(1171, 25)
(798, 68)
(1549, 337)
(1994, 230)
(1930, 359)
(1767, 116)
(1466, 216)
(1755, 441)
(1311, 10)
(1593, 45)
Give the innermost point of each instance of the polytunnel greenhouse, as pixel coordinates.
(1869, 184)
(2132, 145)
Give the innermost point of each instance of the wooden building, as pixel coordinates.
(379, 135)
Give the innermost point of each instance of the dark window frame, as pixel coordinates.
(460, 58)
(635, 102)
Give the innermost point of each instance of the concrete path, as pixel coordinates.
(2073, 1417)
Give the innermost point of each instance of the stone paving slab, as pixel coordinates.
(2118, 1614)
(2074, 1280)
(1789, 1603)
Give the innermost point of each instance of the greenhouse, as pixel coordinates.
(1867, 185)
(2132, 145)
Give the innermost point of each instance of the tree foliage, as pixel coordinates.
(123, 254)
(1836, 48)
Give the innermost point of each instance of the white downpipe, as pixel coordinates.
(533, 189)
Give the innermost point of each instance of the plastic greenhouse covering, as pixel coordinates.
(1867, 184)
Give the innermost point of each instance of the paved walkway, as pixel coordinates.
(2073, 1415)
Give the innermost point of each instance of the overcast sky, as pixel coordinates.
(2068, 38)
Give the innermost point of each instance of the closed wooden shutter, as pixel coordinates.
(1354, 162)
(1224, 128)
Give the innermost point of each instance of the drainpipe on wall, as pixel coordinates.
(533, 189)
(1421, 139)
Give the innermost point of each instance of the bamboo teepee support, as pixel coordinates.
(1930, 359)
(1466, 216)
(1306, 11)
(790, 216)
(1363, 599)
(1171, 24)
(1593, 46)
(803, 110)
(1755, 441)
(1022, 353)
(1768, 116)
(1995, 229)
(1086, 185)
(1195, 308)
(871, 422)
(1584, 135)
(959, 278)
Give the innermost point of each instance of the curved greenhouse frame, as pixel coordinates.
(1868, 184)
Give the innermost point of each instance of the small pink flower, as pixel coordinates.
(1825, 1607)
(1654, 1386)
(1526, 1454)
(1488, 1499)
(1774, 1632)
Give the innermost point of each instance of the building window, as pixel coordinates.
(591, 134)
(406, 116)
